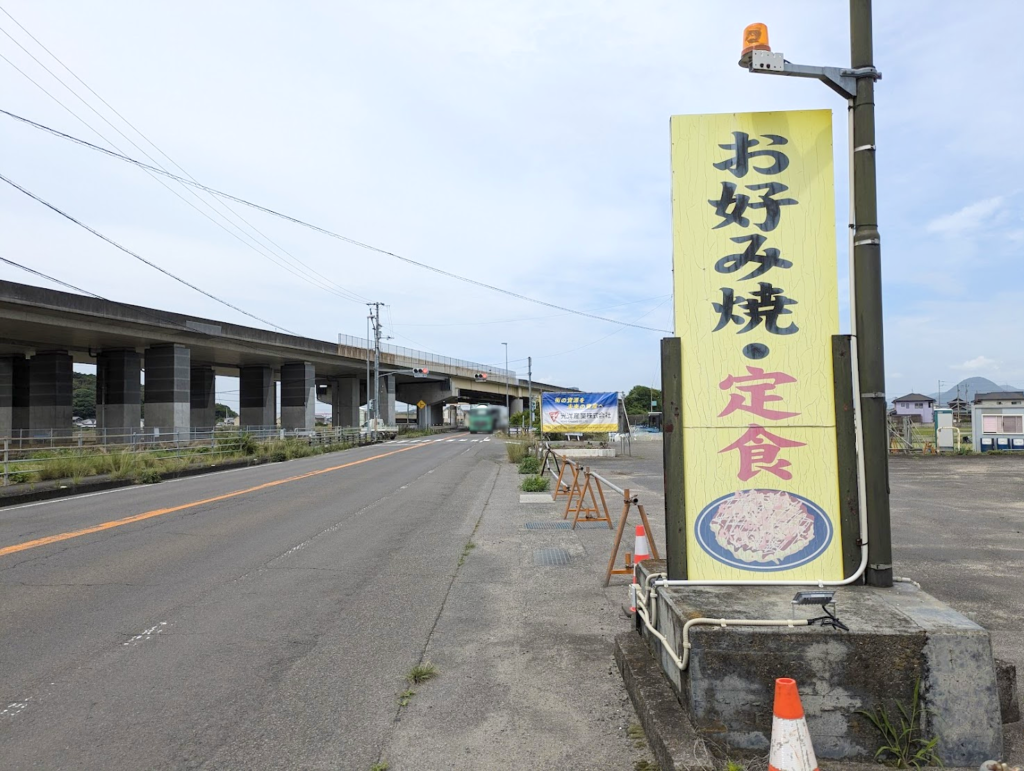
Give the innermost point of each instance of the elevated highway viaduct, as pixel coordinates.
(44, 332)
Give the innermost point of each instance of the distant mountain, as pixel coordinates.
(966, 389)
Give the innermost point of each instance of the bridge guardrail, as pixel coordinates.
(424, 356)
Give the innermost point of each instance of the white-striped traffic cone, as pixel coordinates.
(641, 551)
(791, 742)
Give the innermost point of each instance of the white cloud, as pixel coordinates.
(967, 220)
(521, 144)
(976, 364)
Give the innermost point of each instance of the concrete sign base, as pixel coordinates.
(896, 637)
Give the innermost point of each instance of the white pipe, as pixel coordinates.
(684, 662)
(731, 622)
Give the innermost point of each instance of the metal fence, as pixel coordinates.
(63, 453)
(424, 357)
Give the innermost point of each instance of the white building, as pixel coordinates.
(997, 421)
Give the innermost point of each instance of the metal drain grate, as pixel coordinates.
(547, 525)
(585, 524)
(551, 557)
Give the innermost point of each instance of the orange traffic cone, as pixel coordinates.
(641, 551)
(791, 742)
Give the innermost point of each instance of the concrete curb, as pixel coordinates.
(672, 739)
(535, 498)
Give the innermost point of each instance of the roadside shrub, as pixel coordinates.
(22, 477)
(278, 455)
(118, 463)
(63, 465)
(149, 476)
(516, 451)
(299, 450)
(534, 484)
(529, 465)
(247, 445)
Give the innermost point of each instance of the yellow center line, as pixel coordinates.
(158, 512)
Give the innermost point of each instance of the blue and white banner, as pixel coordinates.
(579, 412)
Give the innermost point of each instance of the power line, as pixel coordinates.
(137, 256)
(255, 245)
(51, 278)
(600, 339)
(324, 231)
(532, 318)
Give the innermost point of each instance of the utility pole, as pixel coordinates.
(375, 320)
(506, 377)
(857, 85)
(529, 400)
(867, 300)
(369, 396)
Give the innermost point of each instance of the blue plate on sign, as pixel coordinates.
(819, 542)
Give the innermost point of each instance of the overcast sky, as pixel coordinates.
(521, 144)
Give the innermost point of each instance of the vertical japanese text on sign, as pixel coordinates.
(756, 306)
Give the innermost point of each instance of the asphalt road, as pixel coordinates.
(261, 618)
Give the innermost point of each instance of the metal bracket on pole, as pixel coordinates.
(842, 80)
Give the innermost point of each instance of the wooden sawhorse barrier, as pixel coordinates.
(628, 501)
(591, 512)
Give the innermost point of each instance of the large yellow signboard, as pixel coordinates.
(756, 306)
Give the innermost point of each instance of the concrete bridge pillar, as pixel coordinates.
(257, 405)
(386, 400)
(13, 395)
(49, 392)
(168, 385)
(345, 402)
(429, 416)
(202, 398)
(514, 406)
(298, 396)
(118, 394)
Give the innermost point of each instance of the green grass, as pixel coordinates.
(903, 744)
(410, 433)
(381, 766)
(465, 552)
(149, 476)
(636, 732)
(405, 697)
(529, 465)
(421, 673)
(534, 484)
(516, 451)
(76, 464)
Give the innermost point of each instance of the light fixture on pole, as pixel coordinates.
(856, 84)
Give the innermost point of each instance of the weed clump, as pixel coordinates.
(534, 484)
(421, 673)
(529, 465)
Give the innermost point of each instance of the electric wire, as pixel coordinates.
(158, 168)
(532, 318)
(325, 231)
(138, 257)
(600, 339)
(51, 278)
